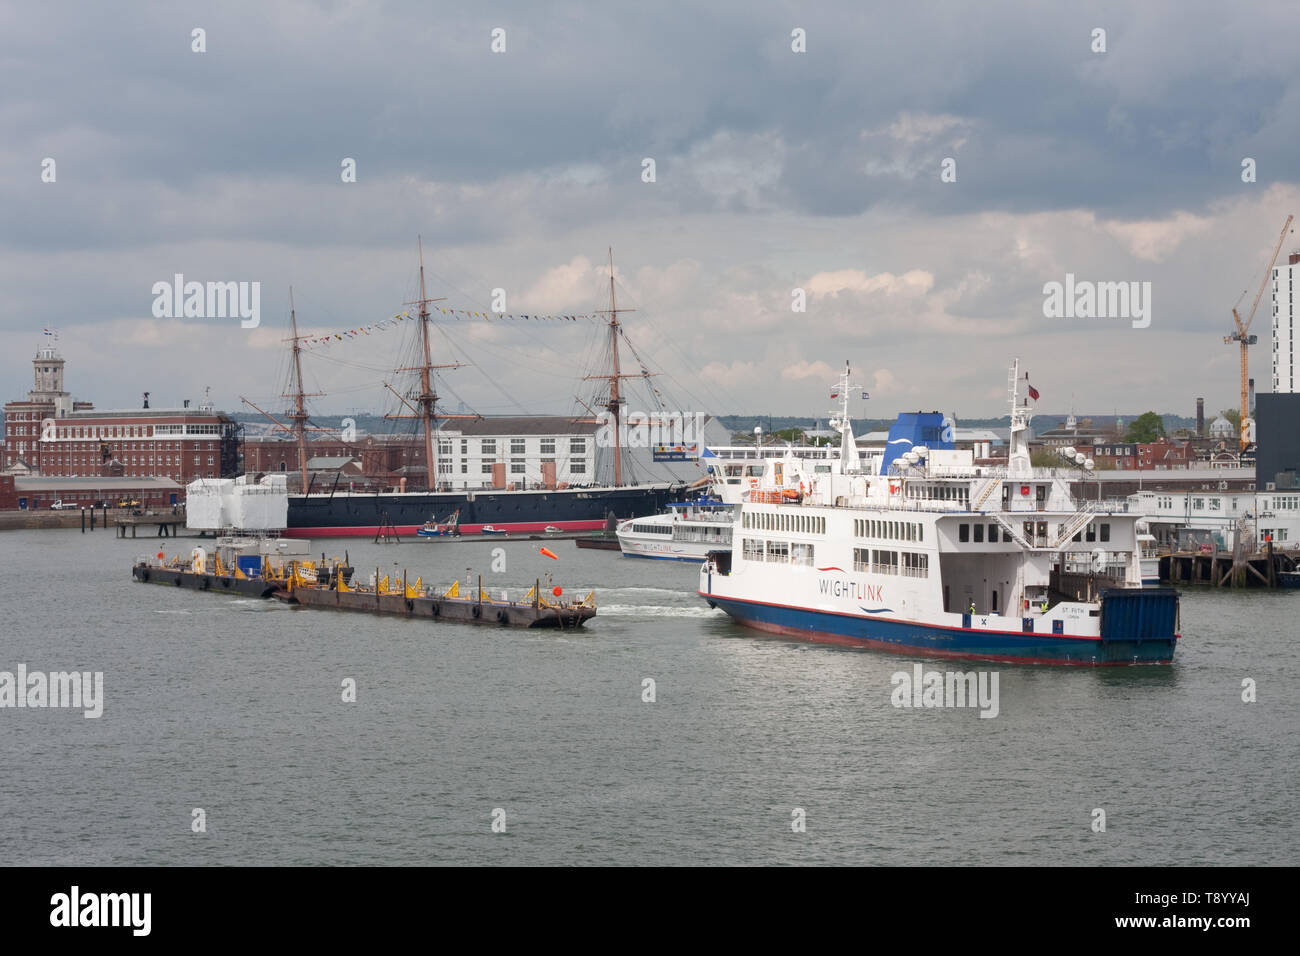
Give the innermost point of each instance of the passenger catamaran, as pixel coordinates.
(919, 550)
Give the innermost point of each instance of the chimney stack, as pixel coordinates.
(1200, 418)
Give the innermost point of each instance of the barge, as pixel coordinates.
(307, 588)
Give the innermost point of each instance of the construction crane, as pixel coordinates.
(1246, 340)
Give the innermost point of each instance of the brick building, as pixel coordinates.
(51, 435)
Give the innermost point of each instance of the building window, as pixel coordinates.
(516, 466)
(578, 468)
(489, 446)
(516, 446)
(577, 446)
(487, 467)
(548, 446)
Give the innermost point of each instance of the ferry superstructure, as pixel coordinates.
(920, 551)
(688, 531)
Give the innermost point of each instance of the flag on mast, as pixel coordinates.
(1033, 392)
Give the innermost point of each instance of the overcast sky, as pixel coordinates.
(774, 170)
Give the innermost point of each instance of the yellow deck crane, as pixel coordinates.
(1246, 340)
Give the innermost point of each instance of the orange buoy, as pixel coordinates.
(549, 553)
(160, 555)
(557, 590)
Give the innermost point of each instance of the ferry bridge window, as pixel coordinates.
(993, 534)
(801, 554)
(1105, 532)
(963, 532)
(861, 562)
(778, 551)
(979, 534)
(753, 549)
(885, 562)
(1091, 534)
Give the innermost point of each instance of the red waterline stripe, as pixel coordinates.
(517, 527)
(895, 620)
(913, 650)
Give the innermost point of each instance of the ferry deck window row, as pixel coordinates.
(892, 530)
(778, 521)
(913, 564)
(966, 530)
(778, 552)
(652, 529)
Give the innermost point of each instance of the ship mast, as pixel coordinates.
(299, 414)
(427, 400)
(615, 403)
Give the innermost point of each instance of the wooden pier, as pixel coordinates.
(1226, 569)
(168, 526)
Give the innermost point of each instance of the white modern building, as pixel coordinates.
(1284, 314)
(1187, 519)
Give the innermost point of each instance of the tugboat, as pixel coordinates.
(924, 552)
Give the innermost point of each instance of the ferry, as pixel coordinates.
(917, 550)
(1150, 555)
(688, 531)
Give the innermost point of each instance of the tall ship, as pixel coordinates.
(918, 550)
(324, 509)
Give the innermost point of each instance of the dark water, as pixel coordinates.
(235, 706)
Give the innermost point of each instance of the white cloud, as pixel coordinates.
(1154, 240)
(804, 370)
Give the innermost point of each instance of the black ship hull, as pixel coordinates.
(569, 509)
